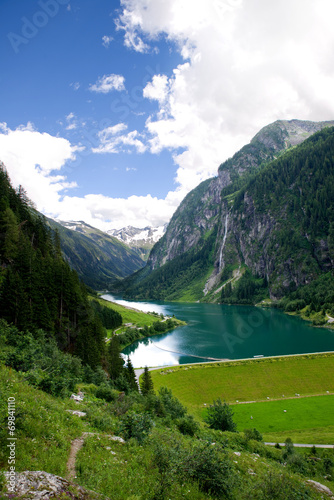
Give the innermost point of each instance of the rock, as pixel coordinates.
(39, 485)
(320, 487)
(78, 413)
(78, 397)
(117, 438)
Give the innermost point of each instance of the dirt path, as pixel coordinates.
(75, 448)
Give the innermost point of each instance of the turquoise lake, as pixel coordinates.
(223, 332)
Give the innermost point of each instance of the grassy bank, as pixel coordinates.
(251, 380)
(155, 460)
(263, 380)
(137, 325)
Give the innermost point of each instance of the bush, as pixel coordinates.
(187, 425)
(253, 434)
(172, 405)
(105, 392)
(136, 425)
(277, 486)
(211, 468)
(297, 463)
(219, 417)
(289, 449)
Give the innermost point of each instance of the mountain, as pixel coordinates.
(263, 220)
(141, 240)
(98, 258)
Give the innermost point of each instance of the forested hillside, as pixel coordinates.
(271, 232)
(38, 289)
(98, 258)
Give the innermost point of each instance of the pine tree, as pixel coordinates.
(131, 376)
(115, 360)
(11, 239)
(146, 385)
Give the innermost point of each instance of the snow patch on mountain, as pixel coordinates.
(134, 237)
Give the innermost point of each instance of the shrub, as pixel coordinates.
(105, 392)
(172, 405)
(136, 425)
(219, 417)
(253, 434)
(277, 486)
(289, 449)
(297, 463)
(295, 305)
(211, 468)
(187, 425)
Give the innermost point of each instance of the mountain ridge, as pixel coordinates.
(98, 258)
(209, 209)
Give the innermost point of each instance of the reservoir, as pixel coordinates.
(223, 332)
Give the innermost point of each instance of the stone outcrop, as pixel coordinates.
(39, 485)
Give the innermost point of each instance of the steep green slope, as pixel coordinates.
(274, 227)
(38, 289)
(98, 258)
(163, 453)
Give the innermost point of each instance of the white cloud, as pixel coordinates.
(106, 40)
(112, 141)
(31, 158)
(107, 83)
(157, 89)
(114, 213)
(246, 64)
(36, 160)
(129, 23)
(71, 121)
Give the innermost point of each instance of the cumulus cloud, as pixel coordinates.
(246, 64)
(37, 160)
(107, 83)
(114, 213)
(157, 89)
(113, 141)
(32, 158)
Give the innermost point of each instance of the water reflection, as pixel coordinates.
(141, 306)
(220, 331)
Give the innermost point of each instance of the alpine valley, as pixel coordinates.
(261, 230)
(97, 257)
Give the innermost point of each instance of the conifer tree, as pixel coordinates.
(131, 376)
(146, 385)
(115, 360)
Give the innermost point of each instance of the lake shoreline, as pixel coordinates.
(215, 332)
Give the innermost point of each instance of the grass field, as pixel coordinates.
(302, 414)
(129, 315)
(308, 419)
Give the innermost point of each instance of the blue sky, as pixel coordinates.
(111, 111)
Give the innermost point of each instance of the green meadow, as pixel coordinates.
(307, 419)
(137, 318)
(312, 415)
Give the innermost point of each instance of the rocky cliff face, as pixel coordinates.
(202, 208)
(244, 233)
